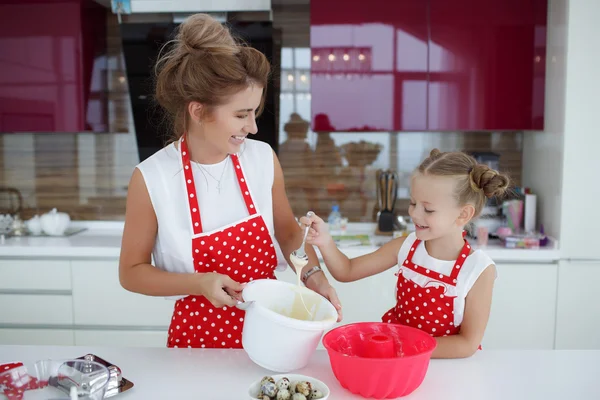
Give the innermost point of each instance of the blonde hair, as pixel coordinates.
(206, 64)
(475, 182)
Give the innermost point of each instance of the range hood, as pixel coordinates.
(186, 6)
(144, 33)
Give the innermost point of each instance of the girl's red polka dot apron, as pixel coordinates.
(243, 250)
(426, 308)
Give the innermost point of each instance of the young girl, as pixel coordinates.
(444, 287)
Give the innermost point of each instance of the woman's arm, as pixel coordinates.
(289, 236)
(136, 273)
(472, 328)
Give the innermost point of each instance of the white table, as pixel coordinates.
(226, 374)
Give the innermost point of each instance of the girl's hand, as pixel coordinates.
(318, 234)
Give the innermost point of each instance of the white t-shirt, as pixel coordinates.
(163, 175)
(472, 268)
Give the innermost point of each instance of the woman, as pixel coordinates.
(211, 207)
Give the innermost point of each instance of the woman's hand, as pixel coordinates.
(219, 289)
(324, 288)
(318, 234)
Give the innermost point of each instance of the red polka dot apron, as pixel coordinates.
(15, 381)
(426, 308)
(243, 250)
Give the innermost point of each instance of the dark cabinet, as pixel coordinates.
(435, 65)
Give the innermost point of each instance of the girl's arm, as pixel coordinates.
(339, 265)
(472, 328)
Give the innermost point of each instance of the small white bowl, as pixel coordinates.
(255, 387)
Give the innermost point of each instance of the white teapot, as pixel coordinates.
(34, 226)
(55, 223)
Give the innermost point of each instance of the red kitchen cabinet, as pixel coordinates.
(53, 66)
(369, 65)
(428, 65)
(486, 64)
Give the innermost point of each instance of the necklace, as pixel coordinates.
(203, 170)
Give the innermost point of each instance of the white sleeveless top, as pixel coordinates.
(163, 175)
(472, 268)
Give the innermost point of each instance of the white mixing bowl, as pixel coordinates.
(273, 340)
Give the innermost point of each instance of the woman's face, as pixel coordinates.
(225, 129)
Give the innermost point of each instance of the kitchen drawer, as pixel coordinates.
(125, 338)
(32, 275)
(578, 310)
(36, 309)
(99, 299)
(37, 337)
(515, 303)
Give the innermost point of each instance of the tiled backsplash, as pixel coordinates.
(335, 171)
(87, 174)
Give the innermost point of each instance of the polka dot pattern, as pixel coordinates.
(243, 251)
(15, 381)
(428, 309)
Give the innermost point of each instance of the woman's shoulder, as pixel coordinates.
(163, 160)
(257, 155)
(168, 153)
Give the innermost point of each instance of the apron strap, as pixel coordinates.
(239, 172)
(190, 187)
(452, 279)
(462, 257)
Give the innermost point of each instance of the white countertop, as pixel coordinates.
(103, 240)
(160, 373)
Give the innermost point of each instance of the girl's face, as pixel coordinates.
(433, 207)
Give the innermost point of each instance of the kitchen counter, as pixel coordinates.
(102, 240)
(226, 374)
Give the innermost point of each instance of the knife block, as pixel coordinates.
(385, 222)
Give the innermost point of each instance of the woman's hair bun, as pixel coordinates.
(201, 33)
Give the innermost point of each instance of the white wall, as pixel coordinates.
(581, 189)
(561, 164)
(544, 177)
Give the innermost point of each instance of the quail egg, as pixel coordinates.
(284, 394)
(304, 388)
(269, 389)
(267, 379)
(283, 383)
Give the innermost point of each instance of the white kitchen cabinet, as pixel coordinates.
(578, 311)
(523, 314)
(31, 275)
(114, 338)
(36, 309)
(99, 299)
(41, 337)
